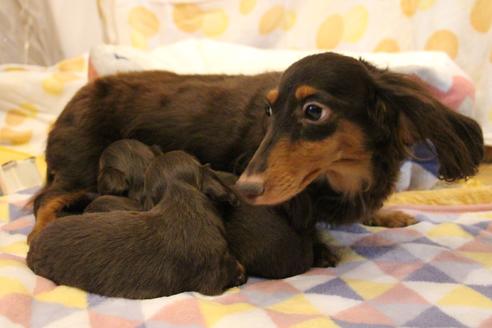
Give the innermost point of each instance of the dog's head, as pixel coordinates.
(179, 166)
(337, 118)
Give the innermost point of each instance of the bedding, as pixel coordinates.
(435, 273)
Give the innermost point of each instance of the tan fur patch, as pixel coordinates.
(272, 96)
(304, 91)
(352, 173)
(48, 212)
(341, 158)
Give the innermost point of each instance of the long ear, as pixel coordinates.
(457, 139)
(111, 181)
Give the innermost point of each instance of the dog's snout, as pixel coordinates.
(250, 187)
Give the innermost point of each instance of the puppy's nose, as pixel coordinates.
(250, 187)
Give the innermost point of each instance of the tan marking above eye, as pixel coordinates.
(272, 96)
(304, 91)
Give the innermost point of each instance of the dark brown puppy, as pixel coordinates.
(264, 240)
(122, 168)
(121, 173)
(335, 133)
(176, 246)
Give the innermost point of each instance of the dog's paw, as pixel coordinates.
(323, 256)
(390, 219)
(241, 277)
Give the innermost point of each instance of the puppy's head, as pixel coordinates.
(179, 166)
(122, 167)
(336, 119)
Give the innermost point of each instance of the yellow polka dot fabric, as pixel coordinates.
(30, 100)
(462, 29)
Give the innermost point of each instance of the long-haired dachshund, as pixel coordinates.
(178, 245)
(331, 129)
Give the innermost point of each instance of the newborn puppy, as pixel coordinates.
(266, 245)
(264, 241)
(122, 168)
(178, 245)
(121, 172)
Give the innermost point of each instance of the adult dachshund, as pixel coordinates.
(331, 132)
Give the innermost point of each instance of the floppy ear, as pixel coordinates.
(111, 181)
(457, 139)
(214, 188)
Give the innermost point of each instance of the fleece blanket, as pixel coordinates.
(437, 273)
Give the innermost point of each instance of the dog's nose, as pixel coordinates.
(250, 187)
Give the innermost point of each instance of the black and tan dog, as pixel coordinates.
(177, 245)
(335, 132)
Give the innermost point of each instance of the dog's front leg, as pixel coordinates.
(389, 218)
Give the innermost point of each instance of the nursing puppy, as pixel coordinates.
(266, 240)
(177, 245)
(120, 180)
(263, 239)
(122, 168)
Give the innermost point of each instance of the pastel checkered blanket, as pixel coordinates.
(437, 273)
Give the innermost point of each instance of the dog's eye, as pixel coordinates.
(315, 112)
(268, 110)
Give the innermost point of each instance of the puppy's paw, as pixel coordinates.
(241, 277)
(323, 256)
(32, 235)
(390, 219)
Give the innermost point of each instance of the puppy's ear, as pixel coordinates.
(419, 117)
(111, 182)
(215, 188)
